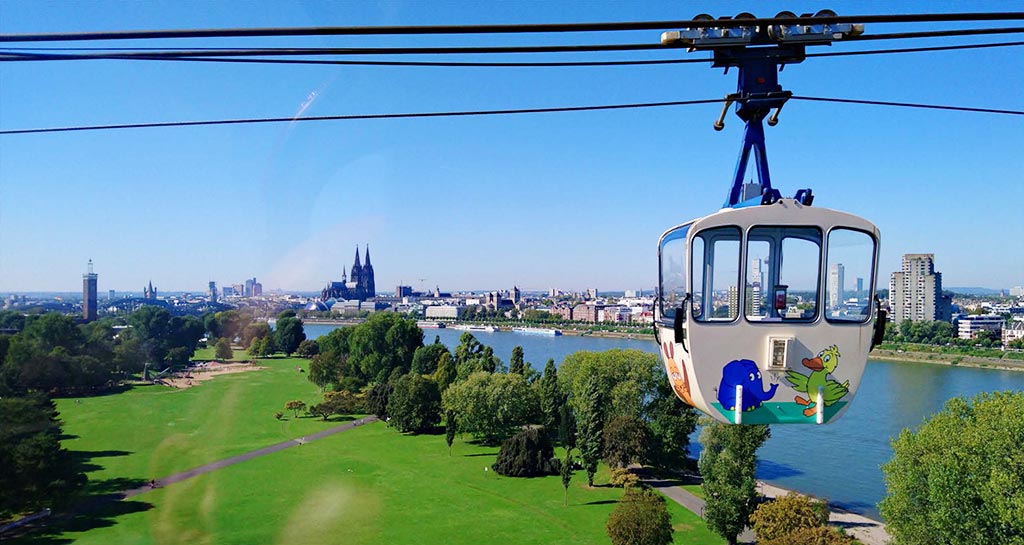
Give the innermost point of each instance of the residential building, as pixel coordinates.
(1012, 332)
(915, 292)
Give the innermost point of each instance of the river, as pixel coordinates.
(840, 461)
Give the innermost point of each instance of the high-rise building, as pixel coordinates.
(249, 283)
(257, 288)
(915, 292)
(89, 294)
(213, 291)
(860, 286)
(836, 281)
(110, 295)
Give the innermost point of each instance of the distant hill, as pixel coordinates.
(973, 291)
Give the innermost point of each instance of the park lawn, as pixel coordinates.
(209, 353)
(373, 485)
(148, 432)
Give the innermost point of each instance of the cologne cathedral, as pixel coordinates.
(356, 286)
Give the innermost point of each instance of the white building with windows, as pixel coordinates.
(970, 325)
(915, 292)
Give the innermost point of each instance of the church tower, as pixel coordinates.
(356, 274)
(366, 284)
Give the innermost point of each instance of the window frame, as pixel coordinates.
(872, 289)
(818, 274)
(676, 233)
(741, 237)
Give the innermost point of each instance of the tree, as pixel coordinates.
(383, 342)
(253, 331)
(307, 349)
(959, 478)
(324, 369)
(446, 373)
(566, 473)
(627, 441)
(341, 402)
(415, 404)
(378, 398)
(727, 464)
(551, 397)
(626, 380)
(36, 471)
(449, 430)
(426, 358)
(671, 423)
(516, 364)
(786, 514)
(591, 425)
(818, 535)
(256, 347)
(640, 518)
(268, 346)
(491, 406)
(223, 350)
(528, 453)
(295, 406)
(288, 333)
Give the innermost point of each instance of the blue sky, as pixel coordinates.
(567, 200)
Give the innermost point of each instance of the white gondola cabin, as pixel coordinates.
(766, 313)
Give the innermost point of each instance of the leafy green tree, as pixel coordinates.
(295, 406)
(468, 348)
(528, 453)
(426, 358)
(341, 402)
(786, 514)
(567, 426)
(627, 441)
(288, 333)
(256, 347)
(446, 373)
(268, 346)
(566, 473)
(727, 464)
(640, 518)
(336, 341)
(324, 369)
(415, 404)
(378, 398)
(491, 406)
(626, 380)
(959, 478)
(253, 331)
(36, 472)
(671, 422)
(385, 341)
(223, 350)
(307, 349)
(449, 430)
(591, 425)
(516, 363)
(551, 397)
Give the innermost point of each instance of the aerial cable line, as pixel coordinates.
(468, 113)
(471, 113)
(185, 56)
(910, 105)
(504, 29)
(860, 38)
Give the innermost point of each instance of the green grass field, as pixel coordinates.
(368, 485)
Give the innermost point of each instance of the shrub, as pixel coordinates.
(623, 478)
(640, 518)
(784, 515)
(818, 535)
(307, 349)
(527, 454)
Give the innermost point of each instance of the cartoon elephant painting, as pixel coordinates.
(746, 374)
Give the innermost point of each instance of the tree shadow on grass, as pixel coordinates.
(99, 507)
(83, 458)
(480, 454)
(601, 502)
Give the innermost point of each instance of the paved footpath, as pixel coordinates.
(219, 464)
(868, 531)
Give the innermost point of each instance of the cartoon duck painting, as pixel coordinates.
(821, 366)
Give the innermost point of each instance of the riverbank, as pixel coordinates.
(957, 360)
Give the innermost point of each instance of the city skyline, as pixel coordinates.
(567, 200)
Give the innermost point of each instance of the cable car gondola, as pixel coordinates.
(766, 309)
